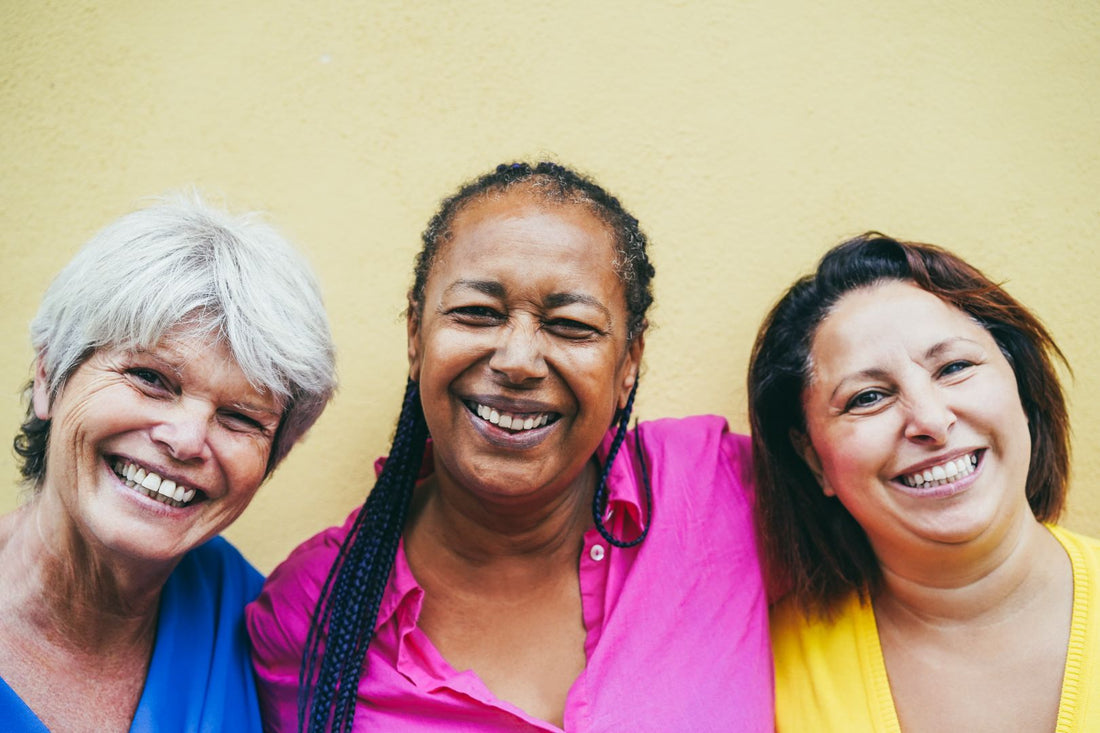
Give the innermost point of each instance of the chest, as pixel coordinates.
(992, 680)
(73, 693)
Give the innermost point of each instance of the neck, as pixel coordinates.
(502, 546)
(989, 578)
(68, 590)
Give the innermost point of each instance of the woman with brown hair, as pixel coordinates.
(911, 448)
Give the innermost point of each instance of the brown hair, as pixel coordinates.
(812, 546)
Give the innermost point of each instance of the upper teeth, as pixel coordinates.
(166, 491)
(944, 473)
(511, 421)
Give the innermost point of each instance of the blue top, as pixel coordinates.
(200, 676)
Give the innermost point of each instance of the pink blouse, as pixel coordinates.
(677, 635)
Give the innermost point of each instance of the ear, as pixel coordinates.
(412, 325)
(631, 366)
(805, 448)
(40, 391)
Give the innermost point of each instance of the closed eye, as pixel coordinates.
(476, 314)
(570, 329)
(240, 422)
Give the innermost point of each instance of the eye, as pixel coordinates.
(864, 399)
(241, 423)
(149, 378)
(955, 367)
(570, 329)
(476, 315)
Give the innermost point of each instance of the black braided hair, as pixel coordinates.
(347, 609)
(343, 621)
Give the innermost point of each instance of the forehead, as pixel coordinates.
(521, 228)
(894, 318)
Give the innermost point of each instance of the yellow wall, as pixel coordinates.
(747, 137)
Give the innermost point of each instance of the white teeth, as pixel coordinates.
(945, 473)
(165, 491)
(509, 421)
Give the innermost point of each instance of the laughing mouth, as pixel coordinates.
(515, 422)
(944, 473)
(166, 491)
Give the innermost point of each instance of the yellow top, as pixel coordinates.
(832, 677)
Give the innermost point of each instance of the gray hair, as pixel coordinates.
(184, 263)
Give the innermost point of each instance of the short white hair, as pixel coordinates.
(182, 262)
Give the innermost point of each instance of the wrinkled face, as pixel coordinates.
(914, 420)
(153, 452)
(521, 347)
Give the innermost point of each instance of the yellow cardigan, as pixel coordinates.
(831, 676)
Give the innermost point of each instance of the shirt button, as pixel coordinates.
(596, 553)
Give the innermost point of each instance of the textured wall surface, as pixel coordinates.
(747, 137)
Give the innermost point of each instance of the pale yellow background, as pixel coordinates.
(747, 137)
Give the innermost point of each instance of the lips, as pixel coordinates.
(516, 422)
(941, 473)
(143, 480)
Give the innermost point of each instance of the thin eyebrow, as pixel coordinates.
(559, 300)
(488, 287)
(872, 373)
(942, 346)
(494, 289)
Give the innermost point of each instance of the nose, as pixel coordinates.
(518, 353)
(930, 417)
(183, 430)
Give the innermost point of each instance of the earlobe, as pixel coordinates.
(805, 448)
(632, 367)
(40, 391)
(412, 324)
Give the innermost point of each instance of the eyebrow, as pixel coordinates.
(554, 300)
(489, 287)
(872, 373)
(875, 373)
(558, 300)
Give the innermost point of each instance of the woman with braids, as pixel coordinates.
(911, 446)
(536, 565)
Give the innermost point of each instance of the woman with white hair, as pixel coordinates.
(179, 356)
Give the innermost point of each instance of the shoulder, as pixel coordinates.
(796, 636)
(281, 614)
(700, 447)
(1083, 550)
(220, 567)
(697, 435)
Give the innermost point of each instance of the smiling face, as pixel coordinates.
(153, 452)
(520, 346)
(914, 420)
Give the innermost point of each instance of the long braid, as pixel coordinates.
(347, 609)
(599, 498)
